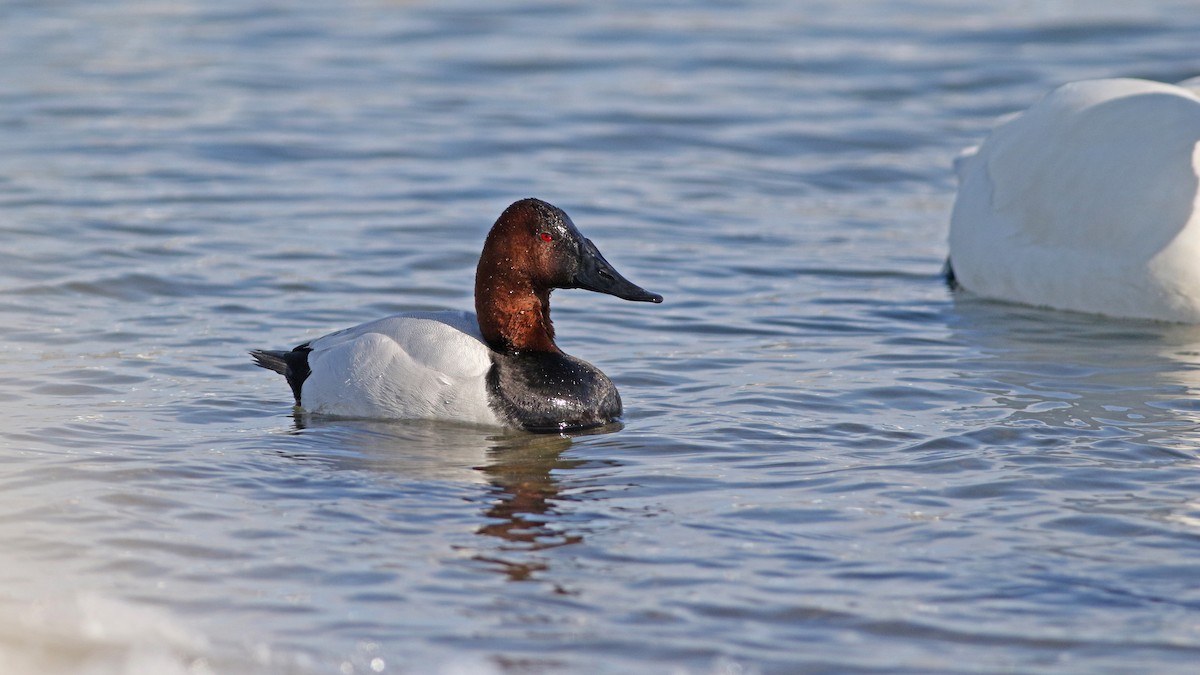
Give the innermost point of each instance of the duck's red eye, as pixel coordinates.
(546, 236)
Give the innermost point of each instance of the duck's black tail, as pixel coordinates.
(271, 360)
(948, 275)
(292, 365)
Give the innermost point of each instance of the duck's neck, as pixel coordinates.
(513, 316)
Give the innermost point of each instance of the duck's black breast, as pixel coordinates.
(541, 391)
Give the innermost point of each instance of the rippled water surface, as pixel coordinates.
(828, 462)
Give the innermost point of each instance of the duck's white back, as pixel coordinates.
(420, 365)
(1087, 202)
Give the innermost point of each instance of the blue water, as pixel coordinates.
(828, 462)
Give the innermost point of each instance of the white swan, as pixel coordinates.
(1088, 202)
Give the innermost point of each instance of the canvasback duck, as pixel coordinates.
(1088, 202)
(497, 367)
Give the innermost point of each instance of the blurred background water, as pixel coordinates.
(828, 462)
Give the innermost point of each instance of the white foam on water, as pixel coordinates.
(90, 634)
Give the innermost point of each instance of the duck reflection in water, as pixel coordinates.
(1064, 375)
(523, 500)
(519, 469)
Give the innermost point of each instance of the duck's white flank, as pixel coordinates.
(408, 366)
(1087, 201)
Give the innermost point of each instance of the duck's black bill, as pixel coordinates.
(596, 274)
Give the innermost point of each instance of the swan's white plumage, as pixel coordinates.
(408, 366)
(1087, 201)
